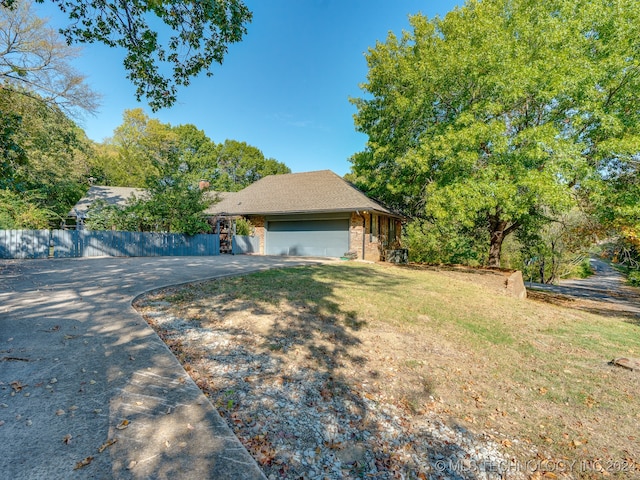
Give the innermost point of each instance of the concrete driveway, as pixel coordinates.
(80, 369)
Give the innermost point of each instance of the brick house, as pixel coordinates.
(313, 214)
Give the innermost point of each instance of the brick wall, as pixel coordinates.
(360, 238)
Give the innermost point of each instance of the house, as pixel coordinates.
(313, 214)
(109, 195)
(302, 214)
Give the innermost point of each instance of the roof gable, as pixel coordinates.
(110, 195)
(319, 191)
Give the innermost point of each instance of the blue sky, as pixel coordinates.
(284, 89)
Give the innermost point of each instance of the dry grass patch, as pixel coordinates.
(532, 375)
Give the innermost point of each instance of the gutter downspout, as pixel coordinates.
(364, 228)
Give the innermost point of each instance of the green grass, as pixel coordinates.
(539, 370)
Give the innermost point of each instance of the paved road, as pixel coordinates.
(79, 367)
(606, 285)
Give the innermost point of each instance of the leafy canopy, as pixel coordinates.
(198, 33)
(496, 114)
(44, 156)
(139, 145)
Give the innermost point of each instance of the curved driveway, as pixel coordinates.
(79, 368)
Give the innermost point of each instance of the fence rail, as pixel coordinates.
(84, 243)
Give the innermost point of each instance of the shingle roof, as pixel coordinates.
(111, 195)
(309, 192)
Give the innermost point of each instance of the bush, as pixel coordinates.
(22, 211)
(244, 227)
(634, 278)
(584, 270)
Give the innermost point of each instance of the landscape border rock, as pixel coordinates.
(515, 285)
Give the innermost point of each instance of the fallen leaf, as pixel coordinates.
(67, 438)
(17, 386)
(60, 412)
(123, 424)
(106, 445)
(83, 463)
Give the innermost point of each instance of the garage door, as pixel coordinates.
(308, 238)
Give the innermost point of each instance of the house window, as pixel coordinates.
(374, 228)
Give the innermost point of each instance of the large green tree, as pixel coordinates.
(240, 165)
(130, 157)
(496, 115)
(141, 144)
(44, 155)
(182, 37)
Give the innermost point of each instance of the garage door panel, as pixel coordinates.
(325, 238)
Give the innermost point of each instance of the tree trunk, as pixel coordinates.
(498, 230)
(495, 249)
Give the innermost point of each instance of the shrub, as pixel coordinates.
(584, 270)
(244, 227)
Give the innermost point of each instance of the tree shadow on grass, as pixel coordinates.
(280, 356)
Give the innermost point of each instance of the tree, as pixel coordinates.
(617, 206)
(141, 144)
(35, 61)
(198, 152)
(240, 165)
(175, 204)
(497, 114)
(44, 156)
(199, 33)
(20, 211)
(130, 157)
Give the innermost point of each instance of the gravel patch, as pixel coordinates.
(301, 420)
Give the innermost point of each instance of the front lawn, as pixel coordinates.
(532, 376)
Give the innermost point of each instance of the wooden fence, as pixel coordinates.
(242, 244)
(85, 243)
